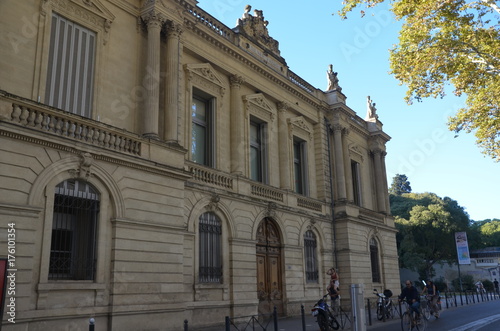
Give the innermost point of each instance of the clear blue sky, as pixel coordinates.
(310, 38)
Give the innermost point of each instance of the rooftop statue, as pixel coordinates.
(255, 26)
(371, 111)
(333, 81)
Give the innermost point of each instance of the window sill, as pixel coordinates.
(70, 285)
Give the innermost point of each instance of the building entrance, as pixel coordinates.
(269, 270)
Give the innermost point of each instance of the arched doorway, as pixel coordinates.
(269, 273)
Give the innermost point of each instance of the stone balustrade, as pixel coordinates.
(60, 123)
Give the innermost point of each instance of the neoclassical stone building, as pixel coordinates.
(158, 166)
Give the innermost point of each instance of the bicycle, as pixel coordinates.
(432, 307)
(409, 320)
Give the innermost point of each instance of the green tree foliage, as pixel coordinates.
(486, 233)
(427, 224)
(446, 42)
(468, 283)
(400, 185)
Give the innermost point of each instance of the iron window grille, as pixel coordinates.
(74, 231)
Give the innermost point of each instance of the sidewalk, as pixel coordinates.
(296, 324)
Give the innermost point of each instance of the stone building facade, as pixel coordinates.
(158, 166)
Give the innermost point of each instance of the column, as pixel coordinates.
(237, 126)
(349, 186)
(284, 147)
(152, 81)
(339, 162)
(386, 187)
(379, 180)
(174, 32)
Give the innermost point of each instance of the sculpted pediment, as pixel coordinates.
(92, 12)
(258, 103)
(299, 126)
(97, 8)
(204, 74)
(206, 71)
(356, 152)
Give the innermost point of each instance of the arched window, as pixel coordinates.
(74, 229)
(374, 261)
(210, 234)
(311, 260)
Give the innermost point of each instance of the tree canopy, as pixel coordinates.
(426, 225)
(400, 185)
(446, 42)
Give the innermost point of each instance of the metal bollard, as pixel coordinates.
(275, 317)
(185, 325)
(369, 312)
(303, 317)
(91, 324)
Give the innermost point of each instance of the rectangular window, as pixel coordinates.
(312, 274)
(300, 166)
(374, 261)
(258, 159)
(356, 182)
(74, 230)
(70, 73)
(202, 136)
(210, 232)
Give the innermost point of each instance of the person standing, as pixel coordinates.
(495, 282)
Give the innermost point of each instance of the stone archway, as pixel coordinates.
(269, 267)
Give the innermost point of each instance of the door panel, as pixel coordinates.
(269, 273)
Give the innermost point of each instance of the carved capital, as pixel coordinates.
(236, 81)
(153, 19)
(337, 128)
(174, 30)
(283, 106)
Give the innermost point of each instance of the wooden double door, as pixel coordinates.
(269, 267)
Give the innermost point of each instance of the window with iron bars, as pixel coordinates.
(311, 260)
(210, 234)
(74, 230)
(374, 261)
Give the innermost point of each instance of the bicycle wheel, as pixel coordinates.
(426, 309)
(406, 322)
(421, 324)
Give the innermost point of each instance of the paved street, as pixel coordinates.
(484, 316)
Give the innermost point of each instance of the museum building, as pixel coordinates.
(157, 166)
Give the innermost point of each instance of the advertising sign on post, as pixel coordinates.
(462, 248)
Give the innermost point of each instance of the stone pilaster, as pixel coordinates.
(347, 166)
(174, 31)
(379, 180)
(154, 22)
(284, 143)
(237, 126)
(339, 162)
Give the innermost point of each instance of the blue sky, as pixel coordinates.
(310, 38)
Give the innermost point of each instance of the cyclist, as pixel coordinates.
(430, 292)
(412, 297)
